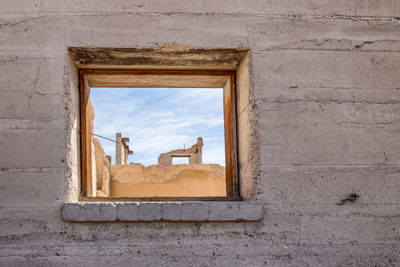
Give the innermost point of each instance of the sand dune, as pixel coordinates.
(183, 180)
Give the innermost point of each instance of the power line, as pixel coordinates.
(105, 138)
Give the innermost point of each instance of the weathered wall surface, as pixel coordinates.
(325, 77)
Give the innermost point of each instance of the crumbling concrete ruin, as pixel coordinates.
(121, 149)
(102, 169)
(194, 153)
(135, 180)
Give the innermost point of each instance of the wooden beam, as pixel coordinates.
(230, 137)
(86, 137)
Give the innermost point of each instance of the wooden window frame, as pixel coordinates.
(160, 78)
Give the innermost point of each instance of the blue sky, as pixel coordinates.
(158, 120)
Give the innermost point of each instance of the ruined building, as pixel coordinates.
(135, 180)
(121, 150)
(315, 111)
(194, 153)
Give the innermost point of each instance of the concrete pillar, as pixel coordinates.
(121, 149)
(118, 149)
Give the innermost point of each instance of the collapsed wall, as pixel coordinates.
(102, 166)
(194, 154)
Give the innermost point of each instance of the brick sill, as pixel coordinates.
(198, 211)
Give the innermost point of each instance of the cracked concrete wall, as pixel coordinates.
(325, 90)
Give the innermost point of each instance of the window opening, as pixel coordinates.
(134, 138)
(180, 160)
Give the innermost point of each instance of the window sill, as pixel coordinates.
(199, 211)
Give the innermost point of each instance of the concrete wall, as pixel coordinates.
(325, 90)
